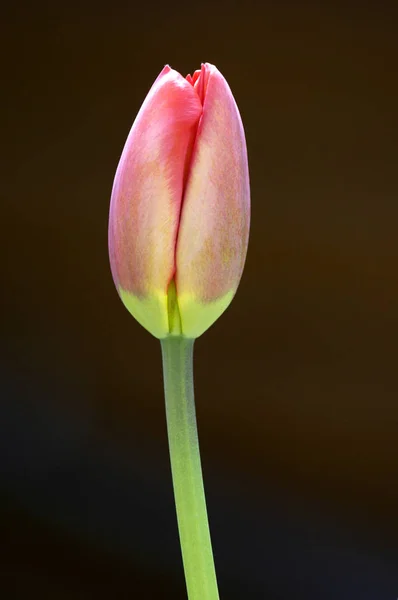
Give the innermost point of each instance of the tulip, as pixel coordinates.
(180, 205)
(178, 235)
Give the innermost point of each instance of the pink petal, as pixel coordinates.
(148, 186)
(214, 226)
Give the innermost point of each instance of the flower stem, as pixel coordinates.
(197, 555)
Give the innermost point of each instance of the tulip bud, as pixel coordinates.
(180, 206)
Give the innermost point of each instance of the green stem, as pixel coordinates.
(197, 555)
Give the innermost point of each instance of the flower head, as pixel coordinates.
(180, 206)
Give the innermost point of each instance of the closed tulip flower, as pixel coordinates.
(180, 206)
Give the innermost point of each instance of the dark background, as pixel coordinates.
(296, 384)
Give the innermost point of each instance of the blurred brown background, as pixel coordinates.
(297, 383)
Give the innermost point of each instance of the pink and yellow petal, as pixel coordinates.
(214, 225)
(147, 196)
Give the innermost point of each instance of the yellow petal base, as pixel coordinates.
(150, 312)
(165, 314)
(196, 316)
